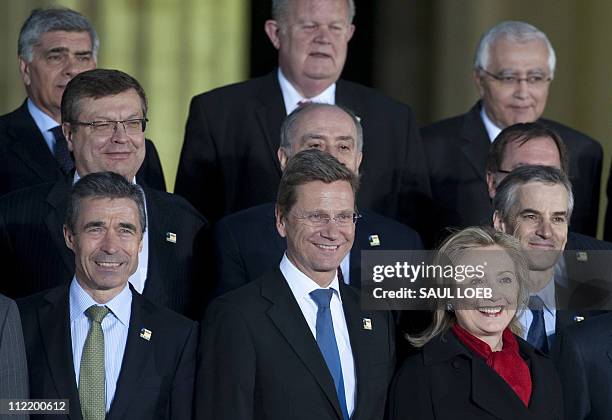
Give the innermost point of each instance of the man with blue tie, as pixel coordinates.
(295, 344)
(97, 342)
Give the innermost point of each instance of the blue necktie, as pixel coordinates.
(326, 339)
(536, 336)
(60, 150)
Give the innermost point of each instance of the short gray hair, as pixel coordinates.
(104, 185)
(280, 10)
(506, 197)
(310, 165)
(514, 31)
(287, 133)
(42, 21)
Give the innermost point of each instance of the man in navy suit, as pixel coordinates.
(295, 344)
(104, 114)
(96, 341)
(232, 133)
(238, 238)
(54, 45)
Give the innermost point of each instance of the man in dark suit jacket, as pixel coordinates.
(511, 92)
(171, 272)
(268, 350)
(13, 366)
(238, 237)
(584, 368)
(142, 354)
(55, 44)
(232, 133)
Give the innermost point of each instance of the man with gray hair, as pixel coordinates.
(535, 203)
(295, 343)
(54, 45)
(96, 341)
(231, 136)
(513, 69)
(238, 238)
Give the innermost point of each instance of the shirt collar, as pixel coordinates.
(42, 120)
(292, 97)
(547, 294)
(492, 130)
(76, 178)
(300, 284)
(120, 305)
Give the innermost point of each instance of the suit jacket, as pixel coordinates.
(585, 369)
(13, 366)
(260, 359)
(457, 149)
(447, 381)
(25, 159)
(33, 246)
(229, 162)
(608, 219)
(157, 375)
(241, 257)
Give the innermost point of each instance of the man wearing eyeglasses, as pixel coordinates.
(104, 115)
(54, 45)
(513, 69)
(295, 344)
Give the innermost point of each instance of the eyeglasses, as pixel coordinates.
(510, 80)
(131, 127)
(319, 219)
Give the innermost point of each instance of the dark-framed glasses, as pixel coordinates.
(511, 80)
(132, 127)
(318, 219)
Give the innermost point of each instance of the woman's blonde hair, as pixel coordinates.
(452, 249)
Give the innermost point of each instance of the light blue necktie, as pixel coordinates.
(326, 339)
(536, 336)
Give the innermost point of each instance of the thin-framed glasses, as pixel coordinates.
(132, 127)
(319, 219)
(510, 80)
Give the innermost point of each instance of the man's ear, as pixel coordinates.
(280, 223)
(283, 157)
(491, 185)
(24, 71)
(69, 238)
(498, 223)
(67, 130)
(479, 82)
(272, 29)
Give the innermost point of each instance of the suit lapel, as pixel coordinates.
(138, 353)
(58, 347)
(54, 219)
(476, 141)
(286, 315)
(271, 113)
(30, 146)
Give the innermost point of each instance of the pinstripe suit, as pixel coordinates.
(13, 366)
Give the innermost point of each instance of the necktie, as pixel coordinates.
(340, 275)
(326, 339)
(60, 150)
(91, 377)
(536, 336)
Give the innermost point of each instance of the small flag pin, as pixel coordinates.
(578, 318)
(582, 256)
(367, 323)
(146, 334)
(171, 237)
(374, 240)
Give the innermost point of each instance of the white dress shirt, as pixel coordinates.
(292, 98)
(139, 278)
(301, 286)
(547, 294)
(44, 123)
(492, 130)
(115, 327)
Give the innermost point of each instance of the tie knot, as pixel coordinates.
(57, 132)
(97, 313)
(536, 303)
(322, 297)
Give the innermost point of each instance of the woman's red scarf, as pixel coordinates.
(508, 363)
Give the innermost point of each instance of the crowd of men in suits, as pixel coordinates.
(262, 241)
